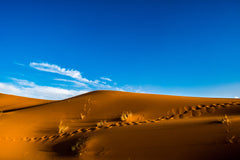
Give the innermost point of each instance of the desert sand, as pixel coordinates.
(109, 125)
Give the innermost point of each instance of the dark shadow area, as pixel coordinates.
(214, 122)
(71, 147)
(116, 119)
(224, 152)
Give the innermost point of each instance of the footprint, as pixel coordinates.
(187, 108)
(193, 108)
(55, 138)
(176, 116)
(179, 111)
(203, 110)
(199, 106)
(52, 137)
(84, 130)
(207, 106)
(44, 139)
(152, 121)
(171, 117)
(163, 118)
(234, 103)
(128, 123)
(213, 105)
(113, 125)
(74, 132)
(219, 106)
(211, 109)
(186, 115)
(196, 113)
(63, 134)
(34, 139)
(67, 135)
(79, 130)
(228, 105)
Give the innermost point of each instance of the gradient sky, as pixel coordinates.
(187, 47)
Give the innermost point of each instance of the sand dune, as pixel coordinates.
(119, 125)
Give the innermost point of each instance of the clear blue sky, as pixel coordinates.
(166, 47)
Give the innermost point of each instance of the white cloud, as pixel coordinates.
(96, 82)
(78, 84)
(106, 79)
(119, 89)
(24, 82)
(62, 71)
(103, 86)
(29, 89)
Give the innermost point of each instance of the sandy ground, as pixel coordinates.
(109, 125)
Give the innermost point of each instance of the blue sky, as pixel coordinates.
(56, 49)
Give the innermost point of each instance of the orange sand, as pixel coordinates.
(160, 127)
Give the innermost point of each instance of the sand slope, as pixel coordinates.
(161, 127)
(11, 102)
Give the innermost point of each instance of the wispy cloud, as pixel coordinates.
(62, 71)
(106, 79)
(77, 84)
(74, 74)
(30, 89)
(20, 64)
(23, 82)
(103, 86)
